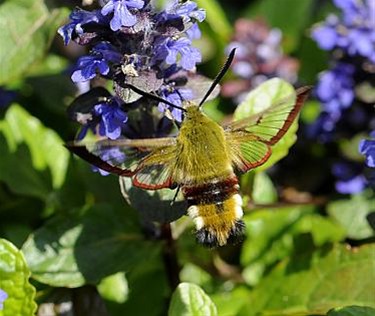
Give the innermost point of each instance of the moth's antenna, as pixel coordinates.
(219, 76)
(152, 96)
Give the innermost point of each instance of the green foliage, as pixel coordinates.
(190, 300)
(71, 250)
(275, 235)
(14, 280)
(351, 215)
(28, 29)
(45, 146)
(314, 282)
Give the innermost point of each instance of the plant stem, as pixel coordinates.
(170, 257)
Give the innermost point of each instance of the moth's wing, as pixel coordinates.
(148, 161)
(249, 139)
(272, 124)
(246, 150)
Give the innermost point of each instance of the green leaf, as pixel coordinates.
(290, 16)
(147, 282)
(153, 205)
(261, 98)
(28, 27)
(272, 236)
(264, 191)
(216, 18)
(352, 311)
(19, 174)
(190, 300)
(84, 247)
(46, 147)
(316, 282)
(230, 302)
(195, 274)
(14, 280)
(351, 214)
(114, 288)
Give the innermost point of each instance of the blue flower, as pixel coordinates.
(169, 49)
(326, 34)
(3, 297)
(367, 148)
(112, 156)
(122, 15)
(6, 97)
(176, 97)
(89, 66)
(194, 32)
(112, 118)
(78, 18)
(187, 10)
(107, 52)
(349, 176)
(351, 186)
(354, 32)
(335, 88)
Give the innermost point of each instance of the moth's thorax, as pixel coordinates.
(201, 149)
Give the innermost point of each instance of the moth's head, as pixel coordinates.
(192, 110)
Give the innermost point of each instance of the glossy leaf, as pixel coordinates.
(274, 235)
(19, 174)
(190, 300)
(28, 28)
(75, 249)
(351, 214)
(264, 96)
(153, 205)
(45, 146)
(316, 282)
(14, 280)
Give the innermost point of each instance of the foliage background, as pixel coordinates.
(308, 249)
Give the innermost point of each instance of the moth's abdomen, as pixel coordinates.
(216, 209)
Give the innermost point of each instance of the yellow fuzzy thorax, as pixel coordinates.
(202, 153)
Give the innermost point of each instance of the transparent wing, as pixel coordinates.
(271, 124)
(247, 151)
(148, 161)
(249, 140)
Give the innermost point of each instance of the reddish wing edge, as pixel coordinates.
(302, 95)
(168, 184)
(82, 152)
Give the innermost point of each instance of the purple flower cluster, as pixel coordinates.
(132, 43)
(346, 109)
(353, 33)
(351, 39)
(258, 57)
(3, 297)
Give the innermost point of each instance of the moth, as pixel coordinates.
(201, 160)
